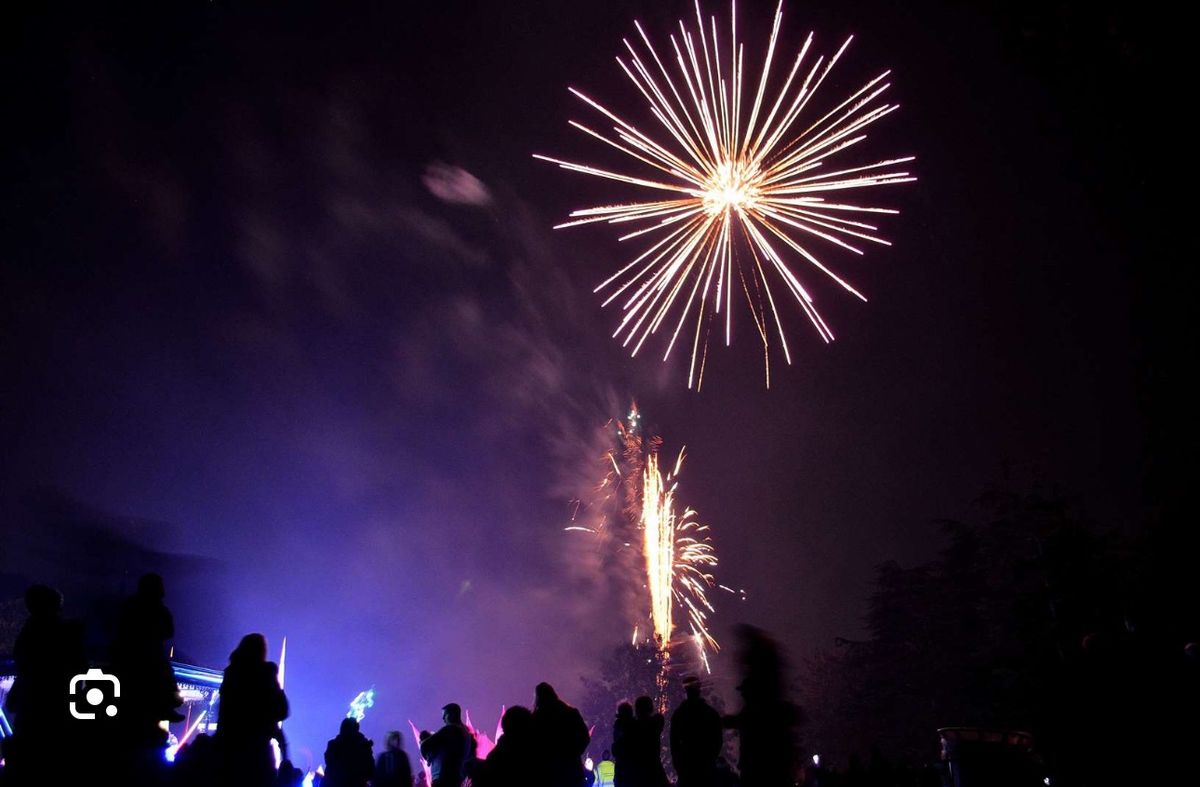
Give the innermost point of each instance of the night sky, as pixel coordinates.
(282, 281)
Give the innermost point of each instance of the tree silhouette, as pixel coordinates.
(628, 673)
(1025, 621)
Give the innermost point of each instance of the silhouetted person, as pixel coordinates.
(393, 768)
(349, 761)
(510, 762)
(767, 721)
(449, 749)
(561, 737)
(252, 705)
(48, 653)
(696, 738)
(149, 693)
(647, 747)
(624, 746)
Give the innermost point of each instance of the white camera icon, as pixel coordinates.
(95, 696)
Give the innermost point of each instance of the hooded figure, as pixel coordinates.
(252, 705)
(510, 762)
(561, 738)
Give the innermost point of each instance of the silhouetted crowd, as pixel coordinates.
(125, 740)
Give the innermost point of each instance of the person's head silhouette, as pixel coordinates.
(643, 707)
(252, 649)
(150, 587)
(516, 720)
(544, 696)
(43, 601)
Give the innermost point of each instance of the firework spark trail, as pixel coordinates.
(677, 557)
(733, 193)
(658, 546)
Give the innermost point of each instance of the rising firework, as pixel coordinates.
(677, 557)
(740, 179)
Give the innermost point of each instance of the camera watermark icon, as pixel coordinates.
(95, 696)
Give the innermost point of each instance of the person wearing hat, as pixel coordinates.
(449, 749)
(696, 738)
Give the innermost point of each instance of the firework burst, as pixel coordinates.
(741, 180)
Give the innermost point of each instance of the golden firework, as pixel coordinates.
(741, 179)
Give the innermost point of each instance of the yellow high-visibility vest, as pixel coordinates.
(606, 770)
